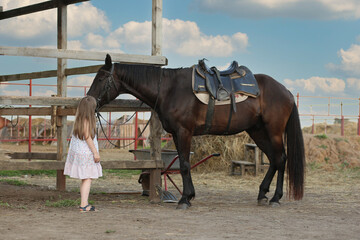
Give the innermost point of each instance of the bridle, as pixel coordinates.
(106, 90)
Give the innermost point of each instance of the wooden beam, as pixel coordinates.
(82, 55)
(50, 73)
(59, 165)
(39, 101)
(34, 111)
(117, 105)
(34, 8)
(33, 155)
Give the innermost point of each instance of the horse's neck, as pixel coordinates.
(141, 82)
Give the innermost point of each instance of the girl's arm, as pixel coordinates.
(90, 143)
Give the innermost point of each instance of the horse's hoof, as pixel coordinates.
(262, 202)
(274, 204)
(182, 206)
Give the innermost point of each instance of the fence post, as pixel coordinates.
(297, 100)
(30, 94)
(342, 120)
(359, 120)
(136, 130)
(313, 125)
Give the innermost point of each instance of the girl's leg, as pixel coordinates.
(84, 191)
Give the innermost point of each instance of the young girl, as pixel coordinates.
(83, 159)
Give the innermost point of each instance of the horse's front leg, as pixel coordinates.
(183, 142)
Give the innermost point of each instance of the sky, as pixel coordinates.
(312, 47)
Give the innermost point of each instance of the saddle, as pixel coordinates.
(222, 85)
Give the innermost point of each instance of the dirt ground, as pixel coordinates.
(225, 208)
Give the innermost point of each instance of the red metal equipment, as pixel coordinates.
(169, 171)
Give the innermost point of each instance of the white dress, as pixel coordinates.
(80, 160)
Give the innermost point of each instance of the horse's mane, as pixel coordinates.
(144, 73)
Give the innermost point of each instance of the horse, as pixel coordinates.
(4, 122)
(271, 119)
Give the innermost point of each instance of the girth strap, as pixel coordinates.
(209, 114)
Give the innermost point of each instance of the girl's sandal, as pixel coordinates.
(84, 209)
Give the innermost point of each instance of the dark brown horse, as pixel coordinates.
(270, 119)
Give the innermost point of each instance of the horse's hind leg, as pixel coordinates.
(277, 163)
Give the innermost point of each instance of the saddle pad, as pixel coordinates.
(241, 81)
(204, 98)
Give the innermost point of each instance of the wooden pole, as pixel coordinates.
(155, 124)
(61, 92)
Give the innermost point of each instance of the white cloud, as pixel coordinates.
(14, 93)
(302, 9)
(94, 40)
(181, 37)
(353, 83)
(74, 45)
(91, 31)
(350, 62)
(46, 93)
(82, 80)
(313, 84)
(43, 23)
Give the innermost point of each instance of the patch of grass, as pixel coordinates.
(313, 165)
(110, 231)
(4, 204)
(326, 159)
(321, 136)
(322, 146)
(65, 203)
(7, 173)
(341, 139)
(122, 173)
(14, 182)
(353, 173)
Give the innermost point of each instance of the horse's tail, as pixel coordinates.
(295, 155)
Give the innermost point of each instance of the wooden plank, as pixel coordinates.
(27, 76)
(59, 165)
(131, 164)
(35, 111)
(33, 155)
(39, 101)
(121, 105)
(82, 55)
(70, 111)
(50, 73)
(34, 8)
(82, 70)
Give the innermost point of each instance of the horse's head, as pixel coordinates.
(104, 89)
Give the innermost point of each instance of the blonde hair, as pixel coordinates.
(85, 122)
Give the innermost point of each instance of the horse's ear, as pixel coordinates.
(108, 61)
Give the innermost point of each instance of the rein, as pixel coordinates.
(110, 80)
